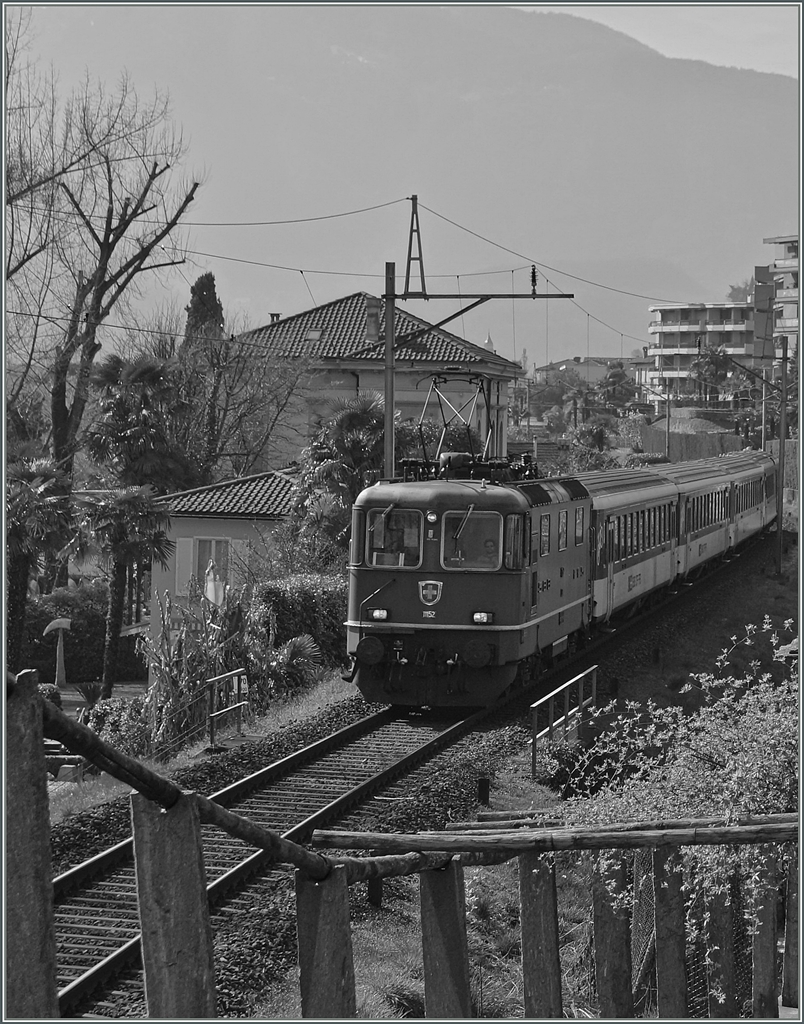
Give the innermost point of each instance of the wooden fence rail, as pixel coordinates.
(177, 943)
(221, 690)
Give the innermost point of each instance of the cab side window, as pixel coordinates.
(394, 537)
(544, 535)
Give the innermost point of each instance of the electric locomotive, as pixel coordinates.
(464, 584)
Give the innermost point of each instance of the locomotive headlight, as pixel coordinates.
(432, 517)
(482, 618)
(378, 614)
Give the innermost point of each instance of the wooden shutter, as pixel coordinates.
(184, 565)
(238, 563)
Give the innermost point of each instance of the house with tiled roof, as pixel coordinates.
(224, 523)
(345, 358)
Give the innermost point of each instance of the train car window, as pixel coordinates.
(616, 553)
(643, 537)
(394, 537)
(472, 540)
(356, 539)
(514, 544)
(579, 525)
(534, 538)
(628, 535)
(652, 526)
(662, 523)
(563, 515)
(544, 535)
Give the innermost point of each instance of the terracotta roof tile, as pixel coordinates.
(262, 496)
(337, 330)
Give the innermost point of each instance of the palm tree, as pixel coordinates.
(616, 378)
(35, 519)
(127, 528)
(132, 434)
(711, 369)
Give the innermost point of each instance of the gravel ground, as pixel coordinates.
(85, 834)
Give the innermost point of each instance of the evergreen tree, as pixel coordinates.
(205, 311)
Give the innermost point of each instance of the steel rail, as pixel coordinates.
(85, 985)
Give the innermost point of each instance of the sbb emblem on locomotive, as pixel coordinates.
(430, 591)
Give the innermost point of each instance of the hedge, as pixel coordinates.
(311, 603)
(122, 722)
(86, 607)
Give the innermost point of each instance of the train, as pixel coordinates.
(469, 577)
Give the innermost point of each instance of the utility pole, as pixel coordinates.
(782, 438)
(390, 311)
(415, 256)
(667, 427)
(764, 392)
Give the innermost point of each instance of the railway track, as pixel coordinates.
(95, 903)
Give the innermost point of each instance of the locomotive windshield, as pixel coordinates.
(471, 540)
(394, 537)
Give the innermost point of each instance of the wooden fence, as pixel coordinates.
(177, 943)
(573, 704)
(226, 694)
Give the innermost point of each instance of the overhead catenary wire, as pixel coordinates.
(349, 213)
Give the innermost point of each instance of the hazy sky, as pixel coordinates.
(763, 37)
(211, 60)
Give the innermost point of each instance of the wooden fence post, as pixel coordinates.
(177, 949)
(444, 950)
(30, 981)
(790, 971)
(211, 713)
(324, 936)
(721, 977)
(541, 966)
(764, 997)
(612, 924)
(671, 975)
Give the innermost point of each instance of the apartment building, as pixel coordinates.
(784, 272)
(680, 332)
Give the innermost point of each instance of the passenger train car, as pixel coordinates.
(463, 584)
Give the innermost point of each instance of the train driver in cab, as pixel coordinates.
(490, 556)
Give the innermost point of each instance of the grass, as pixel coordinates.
(68, 798)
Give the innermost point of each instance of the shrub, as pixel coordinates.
(51, 692)
(181, 660)
(302, 603)
(121, 721)
(737, 756)
(276, 671)
(554, 762)
(86, 607)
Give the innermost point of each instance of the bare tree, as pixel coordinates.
(245, 401)
(240, 409)
(91, 204)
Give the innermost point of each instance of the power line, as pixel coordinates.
(564, 273)
(574, 277)
(324, 273)
(243, 223)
